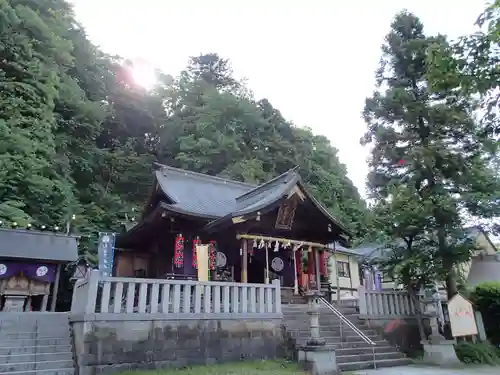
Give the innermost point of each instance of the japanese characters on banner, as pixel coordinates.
(106, 252)
(179, 251)
(196, 242)
(462, 319)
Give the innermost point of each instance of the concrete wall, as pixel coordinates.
(108, 343)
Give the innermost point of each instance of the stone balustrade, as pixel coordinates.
(118, 295)
(385, 304)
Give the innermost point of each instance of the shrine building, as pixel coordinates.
(252, 234)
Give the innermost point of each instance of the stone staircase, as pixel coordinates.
(352, 352)
(35, 344)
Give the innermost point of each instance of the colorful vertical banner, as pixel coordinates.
(106, 252)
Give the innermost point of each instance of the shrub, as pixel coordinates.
(479, 353)
(486, 298)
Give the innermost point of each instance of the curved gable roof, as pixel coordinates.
(216, 198)
(198, 194)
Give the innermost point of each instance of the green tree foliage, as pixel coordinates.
(78, 136)
(33, 180)
(486, 298)
(472, 65)
(428, 151)
(215, 126)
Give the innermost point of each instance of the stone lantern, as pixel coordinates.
(437, 350)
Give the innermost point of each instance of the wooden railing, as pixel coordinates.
(118, 295)
(382, 304)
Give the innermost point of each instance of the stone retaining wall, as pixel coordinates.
(108, 343)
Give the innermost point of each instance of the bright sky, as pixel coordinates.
(314, 60)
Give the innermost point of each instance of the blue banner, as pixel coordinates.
(106, 252)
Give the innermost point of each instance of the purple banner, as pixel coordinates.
(35, 271)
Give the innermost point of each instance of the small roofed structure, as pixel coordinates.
(254, 232)
(30, 263)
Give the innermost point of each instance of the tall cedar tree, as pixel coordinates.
(427, 142)
(472, 65)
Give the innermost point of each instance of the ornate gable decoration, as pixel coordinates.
(286, 213)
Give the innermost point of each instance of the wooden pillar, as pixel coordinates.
(55, 289)
(295, 272)
(244, 261)
(337, 292)
(316, 268)
(28, 304)
(266, 276)
(45, 301)
(310, 267)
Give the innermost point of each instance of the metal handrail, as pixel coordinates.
(351, 325)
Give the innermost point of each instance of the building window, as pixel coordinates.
(386, 278)
(343, 269)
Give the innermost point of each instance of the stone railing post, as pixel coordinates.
(363, 308)
(277, 296)
(92, 288)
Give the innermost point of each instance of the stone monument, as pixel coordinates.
(315, 356)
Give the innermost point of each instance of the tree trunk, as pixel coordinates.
(451, 282)
(418, 313)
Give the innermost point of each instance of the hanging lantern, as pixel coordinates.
(81, 270)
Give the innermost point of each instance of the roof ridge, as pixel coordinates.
(205, 176)
(267, 183)
(38, 232)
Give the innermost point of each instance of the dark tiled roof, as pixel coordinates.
(29, 244)
(199, 194)
(216, 198)
(337, 247)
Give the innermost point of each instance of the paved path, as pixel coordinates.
(431, 370)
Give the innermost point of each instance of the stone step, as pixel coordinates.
(382, 363)
(346, 336)
(35, 356)
(328, 327)
(325, 316)
(60, 371)
(38, 349)
(35, 341)
(334, 333)
(30, 366)
(364, 350)
(346, 345)
(12, 335)
(337, 342)
(33, 318)
(367, 357)
(290, 308)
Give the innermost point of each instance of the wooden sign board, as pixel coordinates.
(462, 319)
(286, 214)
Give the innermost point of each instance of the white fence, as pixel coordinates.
(385, 304)
(117, 295)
